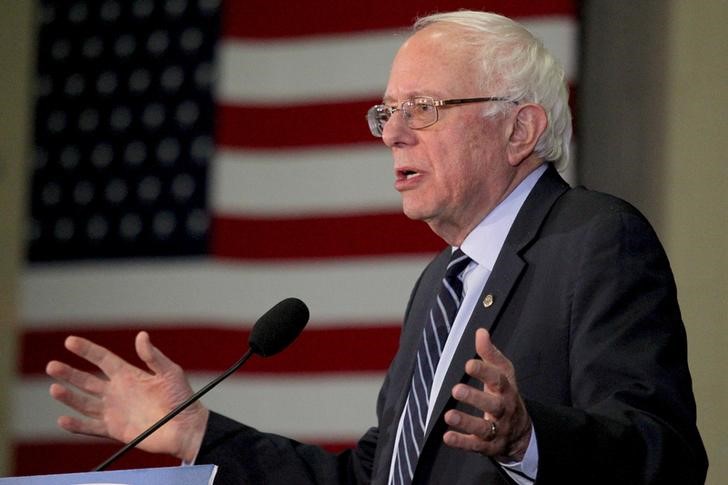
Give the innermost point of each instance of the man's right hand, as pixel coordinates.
(126, 400)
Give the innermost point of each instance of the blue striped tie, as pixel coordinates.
(440, 319)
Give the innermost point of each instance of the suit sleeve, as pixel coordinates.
(245, 455)
(632, 413)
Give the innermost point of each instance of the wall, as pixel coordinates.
(696, 205)
(16, 35)
(652, 130)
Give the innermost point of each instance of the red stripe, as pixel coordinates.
(43, 458)
(306, 125)
(201, 348)
(287, 126)
(263, 19)
(332, 236)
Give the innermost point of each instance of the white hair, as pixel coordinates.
(515, 61)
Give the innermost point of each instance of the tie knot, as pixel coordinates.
(458, 262)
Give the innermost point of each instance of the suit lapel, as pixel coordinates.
(502, 281)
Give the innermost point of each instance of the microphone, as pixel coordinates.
(273, 332)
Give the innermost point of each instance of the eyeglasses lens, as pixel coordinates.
(417, 113)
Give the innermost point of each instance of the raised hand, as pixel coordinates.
(125, 400)
(503, 430)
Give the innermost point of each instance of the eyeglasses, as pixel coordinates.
(419, 112)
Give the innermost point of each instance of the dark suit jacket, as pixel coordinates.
(584, 305)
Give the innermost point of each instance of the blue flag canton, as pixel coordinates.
(124, 129)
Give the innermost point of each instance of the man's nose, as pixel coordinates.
(396, 132)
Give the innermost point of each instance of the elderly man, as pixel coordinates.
(544, 345)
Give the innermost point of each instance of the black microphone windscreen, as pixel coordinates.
(278, 327)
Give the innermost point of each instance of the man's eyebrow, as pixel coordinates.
(390, 100)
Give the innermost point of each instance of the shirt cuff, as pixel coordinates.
(524, 472)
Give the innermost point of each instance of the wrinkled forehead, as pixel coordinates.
(434, 62)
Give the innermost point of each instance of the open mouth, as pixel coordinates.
(407, 174)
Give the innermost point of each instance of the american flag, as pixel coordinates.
(197, 161)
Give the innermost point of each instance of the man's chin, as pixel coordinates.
(414, 213)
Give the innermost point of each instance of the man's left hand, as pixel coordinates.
(503, 430)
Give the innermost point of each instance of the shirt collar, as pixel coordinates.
(484, 242)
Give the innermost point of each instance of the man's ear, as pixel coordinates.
(529, 124)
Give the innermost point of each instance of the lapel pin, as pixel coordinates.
(488, 300)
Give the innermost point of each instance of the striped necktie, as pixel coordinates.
(439, 321)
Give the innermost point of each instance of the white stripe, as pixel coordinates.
(452, 292)
(425, 392)
(304, 407)
(224, 292)
(301, 182)
(342, 67)
(399, 467)
(444, 315)
(457, 260)
(417, 406)
(413, 441)
(437, 337)
(335, 67)
(426, 347)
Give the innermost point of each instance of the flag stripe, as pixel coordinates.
(303, 125)
(326, 407)
(220, 292)
(327, 68)
(73, 457)
(252, 18)
(321, 237)
(350, 347)
(314, 181)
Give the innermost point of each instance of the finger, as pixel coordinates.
(101, 357)
(82, 380)
(491, 355)
(83, 403)
(487, 402)
(152, 356)
(492, 376)
(468, 442)
(463, 423)
(83, 426)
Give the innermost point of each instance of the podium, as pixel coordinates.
(178, 475)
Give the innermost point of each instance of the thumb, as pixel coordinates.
(152, 356)
(490, 354)
(487, 351)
